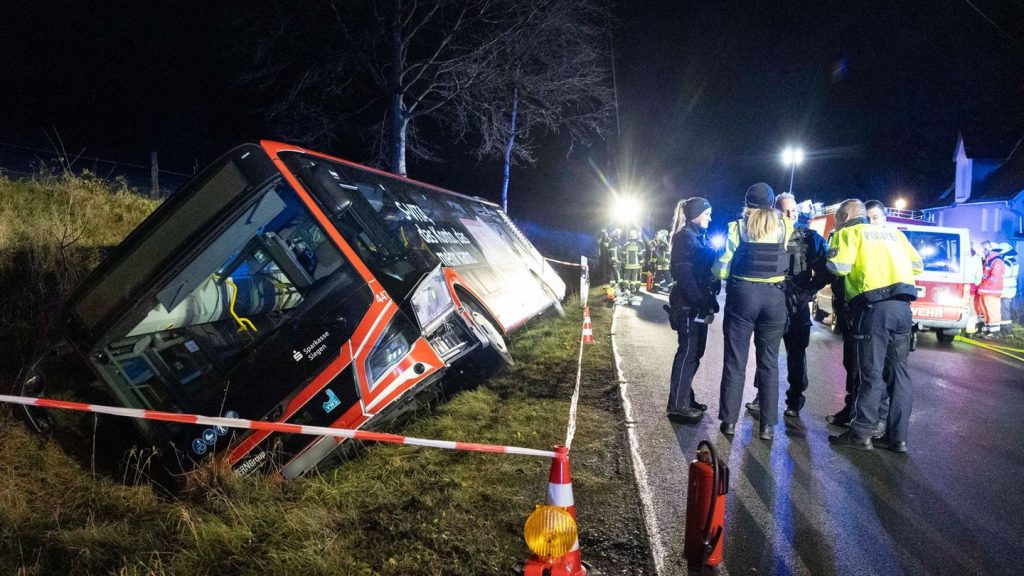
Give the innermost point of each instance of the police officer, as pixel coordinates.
(878, 265)
(632, 261)
(692, 304)
(843, 317)
(755, 262)
(806, 275)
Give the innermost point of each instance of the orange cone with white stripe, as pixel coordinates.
(559, 494)
(588, 331)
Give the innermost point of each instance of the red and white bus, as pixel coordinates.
(286, 285)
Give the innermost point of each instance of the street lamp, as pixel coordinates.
(900, 204)
(792, 157)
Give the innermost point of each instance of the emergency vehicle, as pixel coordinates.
(944, 303)
(284, 285)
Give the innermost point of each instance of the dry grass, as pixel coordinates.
(389, 510)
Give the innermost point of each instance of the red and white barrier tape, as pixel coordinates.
(273, 426)
(576, 264)
(570, 431)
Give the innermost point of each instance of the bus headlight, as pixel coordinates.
(395, 344)
(550, 532)
(431, 298)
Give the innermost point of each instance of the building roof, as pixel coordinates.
(993, 144)
(1006, 181)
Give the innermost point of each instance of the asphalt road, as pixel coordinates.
(953, 505)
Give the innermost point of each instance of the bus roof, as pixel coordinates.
(274, 148)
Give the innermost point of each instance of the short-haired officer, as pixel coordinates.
(878, 265)
(875, 211)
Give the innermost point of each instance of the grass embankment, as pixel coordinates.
(389, 510)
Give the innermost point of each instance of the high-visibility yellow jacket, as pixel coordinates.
(737, 235)
(876, 262)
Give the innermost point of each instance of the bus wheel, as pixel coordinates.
(496, 342)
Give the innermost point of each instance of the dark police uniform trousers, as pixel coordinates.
(693, 339)
(757, 308)
(881, 334)
(853, 370)
(796, 339)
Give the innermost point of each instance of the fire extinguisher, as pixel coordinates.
(650, 281)
(705, 508)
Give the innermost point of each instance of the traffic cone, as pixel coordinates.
(559, 494)
(588, 331)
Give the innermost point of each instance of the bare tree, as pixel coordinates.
(458, 67)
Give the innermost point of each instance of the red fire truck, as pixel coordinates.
(943, 302)
(286, 285)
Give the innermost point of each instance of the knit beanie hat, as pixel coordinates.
(760, 195)
(694, 207)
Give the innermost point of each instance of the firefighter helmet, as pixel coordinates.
(634, 234)
(617, 233)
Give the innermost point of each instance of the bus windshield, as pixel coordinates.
(265, 267)
(363, 206)
(940, 251)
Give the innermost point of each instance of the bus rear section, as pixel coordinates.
(259, 291)
(944, 304)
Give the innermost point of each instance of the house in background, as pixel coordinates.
(987, 194)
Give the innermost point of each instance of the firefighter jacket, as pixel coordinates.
(614, 251)
(663, 257)
(763, 260)
(1010, 275)
(992, 275)
(877, 263)
(633, 255)
(692, 258)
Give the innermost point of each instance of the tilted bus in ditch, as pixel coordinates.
(284, 285)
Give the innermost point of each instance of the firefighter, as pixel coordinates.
(990, 290)
(632, 262)
(806, 275)
(1009, 256)
(603, 260)
(755, 262)
(662, 261)
(615, 258)
(878, 266)
(692, 304)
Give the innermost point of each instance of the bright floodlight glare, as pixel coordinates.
(792, 156)
(627, 210)
(900, 204)
(718, 241)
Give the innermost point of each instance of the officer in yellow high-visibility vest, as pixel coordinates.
(878, 265)
(755, 263)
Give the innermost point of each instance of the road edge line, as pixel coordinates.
(639, 470)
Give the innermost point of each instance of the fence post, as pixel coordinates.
(154, 176)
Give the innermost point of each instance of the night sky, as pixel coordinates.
(709, 93)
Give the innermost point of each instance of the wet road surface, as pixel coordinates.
(953, 505)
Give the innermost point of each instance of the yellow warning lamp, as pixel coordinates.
(550, 532)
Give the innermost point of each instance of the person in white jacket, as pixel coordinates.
(1009, 256)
